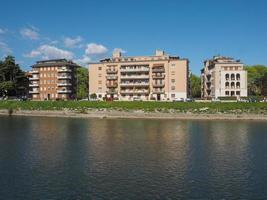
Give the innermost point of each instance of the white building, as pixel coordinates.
(223, 77)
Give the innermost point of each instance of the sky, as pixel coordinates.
(86, 31)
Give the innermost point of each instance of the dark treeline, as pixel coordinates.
(13, 80)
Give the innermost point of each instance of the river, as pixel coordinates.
(70, 158)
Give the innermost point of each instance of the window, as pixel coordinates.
(173, 95)
(99, 82)
(99, 96)
(173, 73)
(99, 88)
(41, 89)
(173, 65)
(44, 75)
(99, 75)
(41, 75)
(227, 93)
(173, 88)
(238, 93)
(227, 76)
(173, 80)
(99, 68)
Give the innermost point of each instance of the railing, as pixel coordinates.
(34, 85)
(34, 78)
(112, 77)
(64, 70)
(158, 70)
(64, 77)
(134, 69)
(158, 91)
(34, 92)
(158, 84)
(64, 84)
(34, 72)
(158, 76)
(134, 91)
(110, 71)
(64, 91)
(135, 77)
(134, 84)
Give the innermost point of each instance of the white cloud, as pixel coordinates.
(4, 48)
(95, 49)
(73, 42)
(83, 61)
(119, 50)
(2, 30)
(30, 33)
(49, 52)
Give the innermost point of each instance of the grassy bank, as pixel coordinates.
(193, 107)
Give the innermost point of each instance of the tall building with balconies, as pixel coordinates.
(223, 77)
(157, 77)
(53, 79)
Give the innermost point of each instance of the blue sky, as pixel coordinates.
(88, 30)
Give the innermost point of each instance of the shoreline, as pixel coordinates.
(136, 114)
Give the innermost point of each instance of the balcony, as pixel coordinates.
(34, 92)
(34, 78)
(162, 76)
(158, 84)
(158, 69)
(64, 84)
(64, 77)
(134, 84)
(134, 91)
(158, 91)
(34, 85)
(135, 77)
(34, 72)
(143, 69)
(113, 77)
(111, 71)
(63, 91)
(112, 85)
(112, 92)
(64, 70)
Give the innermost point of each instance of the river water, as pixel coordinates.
(66, 158)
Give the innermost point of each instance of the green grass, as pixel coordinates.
(193, 107)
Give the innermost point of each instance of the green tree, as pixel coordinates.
(255, 77)
(82, 83)
(13, 81)
(195, 83)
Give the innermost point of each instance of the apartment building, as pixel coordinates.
(223, 77)
(53, 80)
(157, 77)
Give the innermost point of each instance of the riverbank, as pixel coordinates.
(138, 114)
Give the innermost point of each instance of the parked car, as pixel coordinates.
(189, 100)
(137, 99)
(178, 100)
(215, 100)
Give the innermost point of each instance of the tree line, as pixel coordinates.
(13, 80)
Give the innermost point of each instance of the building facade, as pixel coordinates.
(158, 77)
(223, 77)
(53, 80)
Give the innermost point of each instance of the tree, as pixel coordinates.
(195, 82)
(255, 76)
(82, 83)
(13, 81)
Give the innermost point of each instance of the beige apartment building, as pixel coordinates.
(157, 77)
(223, 77)
(53, 80)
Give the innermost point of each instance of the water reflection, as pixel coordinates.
(101, 158)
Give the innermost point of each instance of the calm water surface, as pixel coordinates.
(61, 158)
